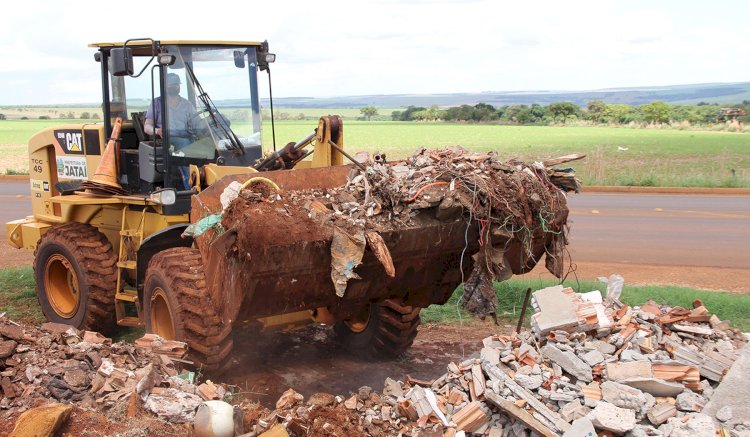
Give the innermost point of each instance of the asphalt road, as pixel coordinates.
(652, 229)
(662, 229)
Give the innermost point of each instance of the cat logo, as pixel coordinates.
(73, 141)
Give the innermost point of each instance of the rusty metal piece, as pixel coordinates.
(340, 150)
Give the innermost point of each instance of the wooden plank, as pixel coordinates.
(519, 413)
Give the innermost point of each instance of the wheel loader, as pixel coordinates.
(111, 205)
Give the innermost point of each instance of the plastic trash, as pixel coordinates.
(614, 283)
(229, 194)
(198, 228)
(214, 419)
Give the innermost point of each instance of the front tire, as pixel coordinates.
(177, 307)
(76, 276)
(384, 329)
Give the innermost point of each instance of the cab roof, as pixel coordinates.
(186, 42)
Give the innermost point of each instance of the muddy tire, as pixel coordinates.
(387, 329)
(76, 275)
(177, 306)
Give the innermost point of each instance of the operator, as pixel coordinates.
(181, 111)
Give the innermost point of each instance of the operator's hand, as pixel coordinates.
(157, 132)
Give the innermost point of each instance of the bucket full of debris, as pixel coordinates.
(377, 240)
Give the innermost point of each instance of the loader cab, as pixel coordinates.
(214, 118)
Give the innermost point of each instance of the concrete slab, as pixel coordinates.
(655, 386)
(734, 390)
(556, 310)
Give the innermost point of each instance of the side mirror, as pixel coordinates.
(121, 61)
(239, 58)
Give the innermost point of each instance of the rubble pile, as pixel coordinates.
(60, 363)
(589, 366)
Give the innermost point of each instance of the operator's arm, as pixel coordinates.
(148, 128)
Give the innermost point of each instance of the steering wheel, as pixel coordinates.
(197, 126)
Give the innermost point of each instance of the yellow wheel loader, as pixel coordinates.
(111, 202)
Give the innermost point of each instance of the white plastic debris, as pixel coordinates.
(229, 194)
(214, 419)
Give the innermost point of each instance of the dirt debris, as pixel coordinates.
(519, 211)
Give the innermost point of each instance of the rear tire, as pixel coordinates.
(76, 276)
(177, 306)
(387, 330)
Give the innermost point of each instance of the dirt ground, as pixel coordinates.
(310, 360)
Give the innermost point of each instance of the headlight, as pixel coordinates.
(167, 196)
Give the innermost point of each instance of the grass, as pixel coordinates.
(654, 157)
(18, 295)
(726, 306)
(615, 155)
(19, 302)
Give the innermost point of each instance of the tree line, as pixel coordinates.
(596, 111)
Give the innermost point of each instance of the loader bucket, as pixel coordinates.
(275, 258)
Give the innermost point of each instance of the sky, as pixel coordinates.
(346, 48)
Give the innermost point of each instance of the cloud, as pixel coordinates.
(396, 46)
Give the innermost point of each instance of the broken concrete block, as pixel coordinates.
(623, 396)
(605, 348)
(654, 386)
(611, 418)
(593, 358)
(661, 412)
(391, 387)
(644, 431)
(41, 421)
(574, 410)
(529, 382)
(617, 371)
(734, 390)
(569, 362)
(490, 354)
(289, 399)
(581, 427)
(692, 425)
(555, 310)
(708, 368)
(690, 401)
(717, 324)
(724, 414)
(173, 405)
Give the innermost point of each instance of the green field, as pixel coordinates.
(654, 157)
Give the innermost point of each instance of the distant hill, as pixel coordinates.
(675, 94)
(720, 93)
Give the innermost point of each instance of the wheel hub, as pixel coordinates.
(360, 320)
(161, 315)
(61, 284)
